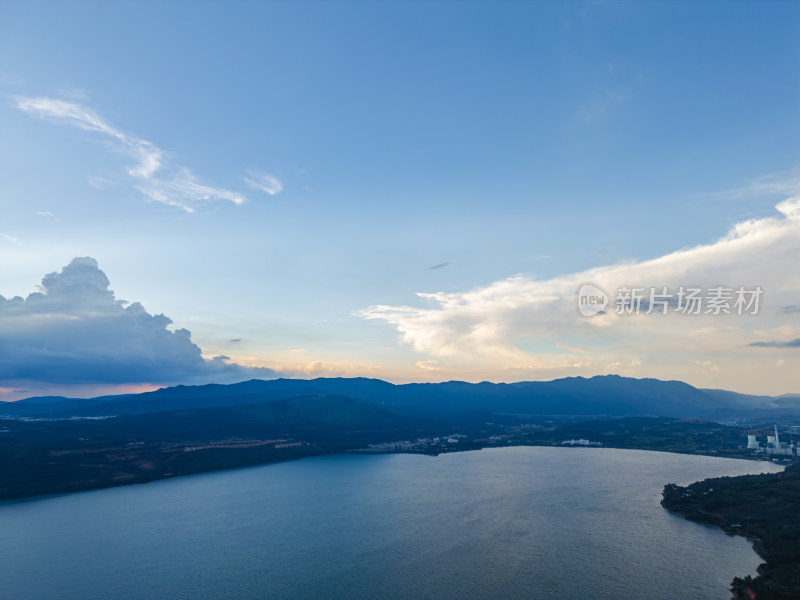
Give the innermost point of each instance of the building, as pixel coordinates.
(773, 446)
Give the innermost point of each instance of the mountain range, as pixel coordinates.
(601, 396)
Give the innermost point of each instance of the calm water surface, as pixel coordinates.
(510, 523)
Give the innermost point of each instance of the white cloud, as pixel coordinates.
(75, 331)
(100, 183)
(263, 182)
(784, 332)
(47, 214)
(183, 187)
(10, 239)
(521, 322)
(784, 184)
(427, 365)
(149, 157)
(156, 177)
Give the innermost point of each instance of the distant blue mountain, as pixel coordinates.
(609, 395)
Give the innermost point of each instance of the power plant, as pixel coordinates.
(773, 445)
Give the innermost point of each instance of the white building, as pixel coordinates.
(774, 445)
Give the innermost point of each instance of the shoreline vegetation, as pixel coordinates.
(44, 457)
(765, 509)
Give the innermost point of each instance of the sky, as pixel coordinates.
(415, 191)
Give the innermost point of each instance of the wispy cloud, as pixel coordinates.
(427, 365)
(148, 157)
(10, 239)
(155, 176)
(47, 214)
(183, 190)
(789, 344)
(781, 184)
(100, 183)
(263, 182)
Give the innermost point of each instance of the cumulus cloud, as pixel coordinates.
(74, 331)
(151, 169)
(518, 322)
(269, 184)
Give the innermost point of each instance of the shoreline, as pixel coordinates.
(92, 486)
(761, 508)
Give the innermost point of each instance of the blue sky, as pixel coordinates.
(308, 161)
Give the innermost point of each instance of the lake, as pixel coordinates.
(510, 523)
